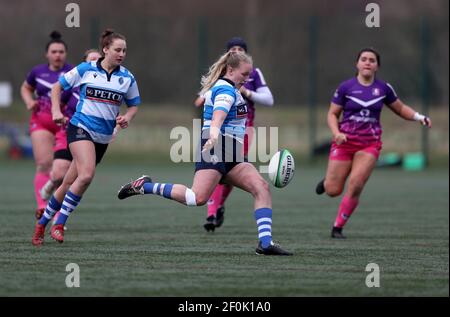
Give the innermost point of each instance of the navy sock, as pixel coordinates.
(263, 217)
(158, 189)
(53, 206)
(69, 204)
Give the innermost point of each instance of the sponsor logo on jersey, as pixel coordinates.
(104, 95)
(241, 110)
(362, 119)
(376, 92)
(224, 98)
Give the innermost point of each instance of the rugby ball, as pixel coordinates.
(281, 168)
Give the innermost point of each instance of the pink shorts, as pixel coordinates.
(44, 121)
(346, 151)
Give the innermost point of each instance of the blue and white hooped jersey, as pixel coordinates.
(101, 95)
(226, 97)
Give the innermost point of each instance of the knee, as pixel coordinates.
(86, 177)
(201, 199)
(333, 191)
(57, 177)
(43, 166)
(195, 197)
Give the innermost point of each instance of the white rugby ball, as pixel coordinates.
(281, 168)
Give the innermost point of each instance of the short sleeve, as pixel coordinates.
(73, 77)
(339, 95)
(31, 78)
(132, 97)
(391, 95)
(258, 78)
(223, 98)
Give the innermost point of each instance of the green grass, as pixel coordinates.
(148, 246)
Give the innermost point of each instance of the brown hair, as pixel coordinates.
(371, 50)
(55, 38)
(107, 37)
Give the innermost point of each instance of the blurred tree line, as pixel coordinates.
(304, 48)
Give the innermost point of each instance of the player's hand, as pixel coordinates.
(214, 133)
(426, 122)
(32, 105)
(340, 138)
(209, 144)
(59, 118)
(122, 121)
(246, 92)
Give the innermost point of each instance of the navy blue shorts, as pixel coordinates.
(75, 134)
(63, 155)
(223, 157)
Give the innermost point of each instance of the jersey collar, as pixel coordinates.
(228, 81)
(108, 75)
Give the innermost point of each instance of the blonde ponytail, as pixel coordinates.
(219, 68)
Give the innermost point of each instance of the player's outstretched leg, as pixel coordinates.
(135, 187)
(202, 187)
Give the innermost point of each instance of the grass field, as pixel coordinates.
(148, 246)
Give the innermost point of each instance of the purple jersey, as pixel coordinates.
(71, 105)
(255, 81)
(362, 108)
(42, 79)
